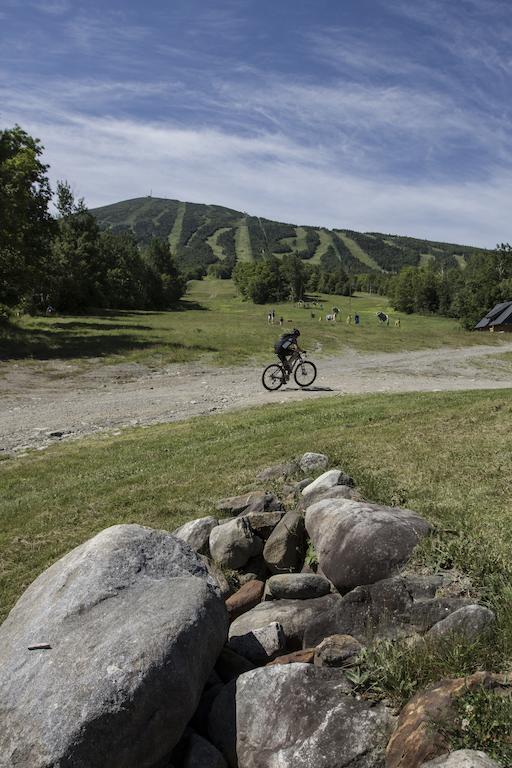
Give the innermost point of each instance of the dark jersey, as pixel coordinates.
(285, 342)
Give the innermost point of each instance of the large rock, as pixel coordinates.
(390, 608)
(313, 462)
(255, 501)
(298, 715)
(336, 651)
(296, 586)
(195, 751)
(233, 543)
(218, 577)
(336, 492)
(285, 547)
(278, 472)
(197, 533)
(418, 734)
(297, 617)
(360, 543)
(231, 665)
(223, 725)
(463, 758)
(470, 621)
(327, 481)
(263, 523)
(134, 627)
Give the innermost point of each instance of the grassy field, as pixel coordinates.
(214, 323)
(447, 456)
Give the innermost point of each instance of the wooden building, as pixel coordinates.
(498, 319)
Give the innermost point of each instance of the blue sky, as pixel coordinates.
(376, 115)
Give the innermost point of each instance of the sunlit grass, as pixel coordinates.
(215, 325)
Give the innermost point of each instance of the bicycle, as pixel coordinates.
(304, 372)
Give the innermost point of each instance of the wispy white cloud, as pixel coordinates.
(52, 7)
(269, 174)
(384, 139)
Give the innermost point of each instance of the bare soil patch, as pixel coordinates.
(56, 400)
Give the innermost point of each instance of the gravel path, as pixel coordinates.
(52, 401)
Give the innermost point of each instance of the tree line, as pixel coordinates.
(64, 260)
(466, 294)
(288, 278)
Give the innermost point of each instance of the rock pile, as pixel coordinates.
(146, 657)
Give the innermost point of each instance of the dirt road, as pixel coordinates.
(53, 401)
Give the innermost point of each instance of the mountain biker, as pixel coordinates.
(286, 346)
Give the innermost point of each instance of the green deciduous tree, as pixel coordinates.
(25, 222)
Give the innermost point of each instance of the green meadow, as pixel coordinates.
(214, 324)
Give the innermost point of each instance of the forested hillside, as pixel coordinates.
(204, 235)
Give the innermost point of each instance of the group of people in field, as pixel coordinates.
(287, 343)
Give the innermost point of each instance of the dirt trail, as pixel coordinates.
(52, 401)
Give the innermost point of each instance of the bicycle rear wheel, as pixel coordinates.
(305, 373)
(273, 377)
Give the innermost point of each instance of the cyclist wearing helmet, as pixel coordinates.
(286, 346)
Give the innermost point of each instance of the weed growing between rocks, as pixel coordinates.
(483, 720)
(396, 669)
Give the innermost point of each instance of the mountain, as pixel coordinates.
(201, 235)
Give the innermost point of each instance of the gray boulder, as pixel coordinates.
(259, 645)
(285, 548)
(197, 533)
(197, 752)
(390, 608)
(313, 462)
(327, 481)
(299, 715)
(263, 523)
(336, 492)
(336, 651)
(359, 542)
(296, 586)
(217, 577)
(470, 621)
(278, 472)
(231, 665)
(297, 617)
(222, 723)
(463, 758)
(255, 501)
(233, 543)
(134, 627)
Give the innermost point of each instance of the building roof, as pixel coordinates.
(499, 315)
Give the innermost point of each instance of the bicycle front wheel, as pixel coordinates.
(305, 374)
(273, 377)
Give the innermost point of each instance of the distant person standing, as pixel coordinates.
(273, 316)
(356, 319)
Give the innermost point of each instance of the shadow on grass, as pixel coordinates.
(35, 344)
(85, 325)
